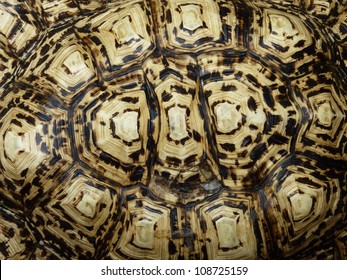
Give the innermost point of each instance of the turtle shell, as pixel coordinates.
(200, 129)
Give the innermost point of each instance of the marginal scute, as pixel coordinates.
(8, 65)
(67, 8)
(197, 25)
(339, 25)
(119, 36)
(31, 137)
(341, 244)
(147, 231)
(14, 31)
(91, 5)
(70, 68)
(21, 150)
(86, 206)
(14, 238)
(341, 39)
(286, 39)
(302, 200)
(319, 8)
(326, 128)
(229, 229)
(65, 67)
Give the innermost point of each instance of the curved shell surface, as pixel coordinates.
(200, 129)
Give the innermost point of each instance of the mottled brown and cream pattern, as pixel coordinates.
(162, 129)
